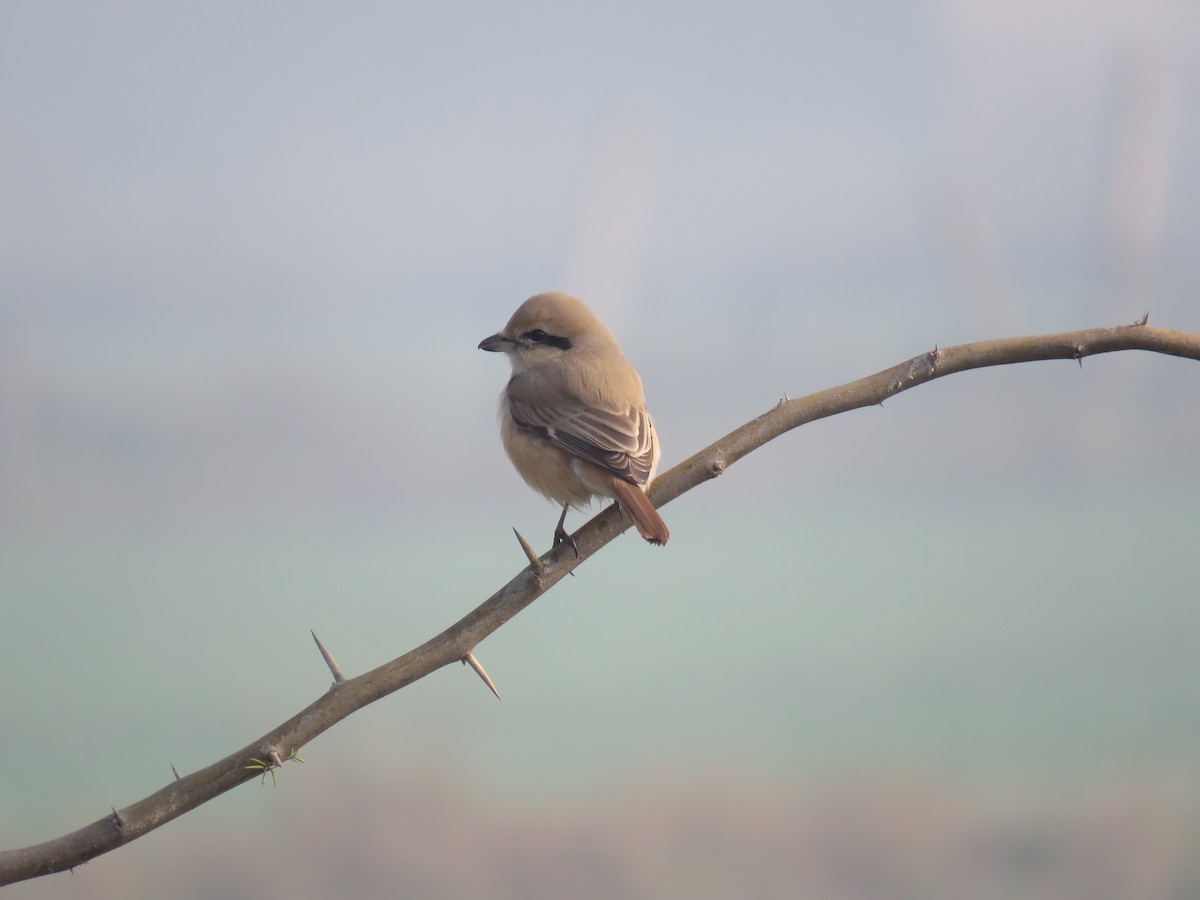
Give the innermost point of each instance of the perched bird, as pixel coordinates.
(572, 417)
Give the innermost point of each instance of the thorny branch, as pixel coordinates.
(457, 642)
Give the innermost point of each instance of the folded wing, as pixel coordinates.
(619, 440)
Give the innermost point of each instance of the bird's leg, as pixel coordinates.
(560, 533)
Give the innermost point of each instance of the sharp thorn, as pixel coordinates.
(534, 561)
(338, 677)
(470, 660)
(176, 772)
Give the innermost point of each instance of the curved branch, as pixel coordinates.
(457, 642)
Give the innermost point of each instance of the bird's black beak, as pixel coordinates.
(495, 343)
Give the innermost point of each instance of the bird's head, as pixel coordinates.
(544, 328)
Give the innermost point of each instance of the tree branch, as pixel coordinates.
(458, 641)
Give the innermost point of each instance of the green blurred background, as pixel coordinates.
(947, 647)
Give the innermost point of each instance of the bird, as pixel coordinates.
(573, 416)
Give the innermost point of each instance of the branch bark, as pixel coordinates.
(457, 642)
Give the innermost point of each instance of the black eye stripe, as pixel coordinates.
(539, 336)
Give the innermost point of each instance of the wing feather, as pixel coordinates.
(619, 440)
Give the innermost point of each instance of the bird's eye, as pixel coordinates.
(538, 336)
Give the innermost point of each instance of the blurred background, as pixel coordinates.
(946, 647)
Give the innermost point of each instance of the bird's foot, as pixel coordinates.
(561, 537)
(560, 533)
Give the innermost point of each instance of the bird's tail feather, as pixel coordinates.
(638, 507)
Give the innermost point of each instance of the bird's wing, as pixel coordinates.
(619, 440)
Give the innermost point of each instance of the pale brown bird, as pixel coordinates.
(573, 417)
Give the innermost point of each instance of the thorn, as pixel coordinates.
(475, 664)
(176, 772)
(534, 562)
(1079, 354)
(1144, 319)
(118, 819)
(272, 762)
(338, 677)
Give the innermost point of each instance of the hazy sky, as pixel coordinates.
(235, 232)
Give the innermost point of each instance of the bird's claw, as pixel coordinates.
(561, 537)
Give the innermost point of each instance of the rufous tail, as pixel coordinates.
(638, 507)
